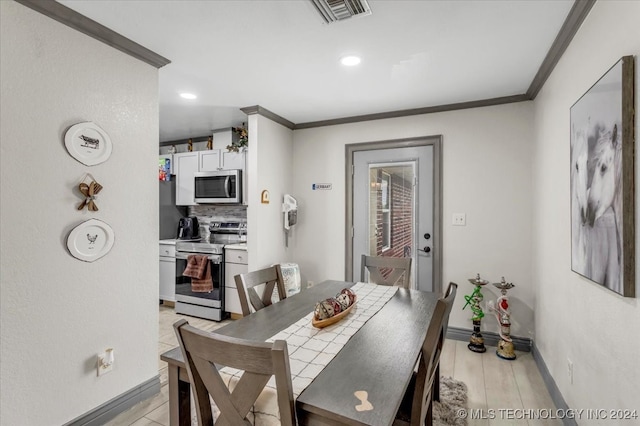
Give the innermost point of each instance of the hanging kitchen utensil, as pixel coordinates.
(89, 189)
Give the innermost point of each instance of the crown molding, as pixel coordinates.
(77, 21)
(257, 109)
(576, 16)
(414, 111)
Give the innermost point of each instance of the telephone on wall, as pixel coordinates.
(290, 210)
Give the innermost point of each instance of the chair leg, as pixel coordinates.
(436, 384)
(428, 421)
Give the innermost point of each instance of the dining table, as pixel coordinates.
(364, 382)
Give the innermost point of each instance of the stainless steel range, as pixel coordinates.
(208, 305)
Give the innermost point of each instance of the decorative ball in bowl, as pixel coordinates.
(332, 310)
(327, 308)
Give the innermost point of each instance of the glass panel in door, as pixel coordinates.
(391, 210)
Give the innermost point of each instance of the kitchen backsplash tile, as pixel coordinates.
(215, 213)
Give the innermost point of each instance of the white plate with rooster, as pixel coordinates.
(90, 240)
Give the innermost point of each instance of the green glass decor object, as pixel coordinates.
(476, 342)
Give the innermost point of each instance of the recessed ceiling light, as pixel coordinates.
(188, 96)
(350, 61)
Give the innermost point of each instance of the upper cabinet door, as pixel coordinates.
(209, 160)
(233, 160)
(185, 165)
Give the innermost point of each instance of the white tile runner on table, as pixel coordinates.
(311, 349)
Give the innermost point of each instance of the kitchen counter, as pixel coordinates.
(172, 241)
(240, 246)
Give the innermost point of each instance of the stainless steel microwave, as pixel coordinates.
(221, 186)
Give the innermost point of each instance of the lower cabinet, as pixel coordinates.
(235, 263)
(167, 273)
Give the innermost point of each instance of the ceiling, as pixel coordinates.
(282, 56)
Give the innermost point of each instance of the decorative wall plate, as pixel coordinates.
(88, 143)
(90, 240)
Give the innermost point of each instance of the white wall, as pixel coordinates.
(269, 168)
(575, 318)
(486, 174)
(57, 312)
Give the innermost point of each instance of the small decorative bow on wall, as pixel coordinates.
(89, 190)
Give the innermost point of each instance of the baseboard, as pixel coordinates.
(490, 338)
(110, 409)
(550, 383)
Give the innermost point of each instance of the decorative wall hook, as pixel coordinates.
(89, 188)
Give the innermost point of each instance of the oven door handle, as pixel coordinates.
(215, 258)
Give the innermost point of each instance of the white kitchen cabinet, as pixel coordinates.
(185, 165)
(209, 160)
(233, 160)
(221, 159)
(167, 272)
(235, 263)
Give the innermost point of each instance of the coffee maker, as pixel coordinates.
(188, 228)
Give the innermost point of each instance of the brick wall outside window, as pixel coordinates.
(401, 220)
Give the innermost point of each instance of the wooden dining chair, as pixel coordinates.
(259, 361)
(400, 270)
(449, 298)
(424, 388)
(246, 283)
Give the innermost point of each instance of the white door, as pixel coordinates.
(393, 209)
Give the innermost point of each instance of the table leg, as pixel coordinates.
(179, 399)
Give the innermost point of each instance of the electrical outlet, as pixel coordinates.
(105, 362)
(459, 219)
(570, 370)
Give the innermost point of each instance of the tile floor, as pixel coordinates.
(493, 383)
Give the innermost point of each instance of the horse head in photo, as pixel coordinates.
(579, 174)
(579, 194)
(606, 182)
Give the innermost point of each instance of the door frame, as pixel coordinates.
(434, 141)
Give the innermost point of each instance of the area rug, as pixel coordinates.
(453, 399)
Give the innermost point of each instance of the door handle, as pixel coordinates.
(227, 186)
(427, 249)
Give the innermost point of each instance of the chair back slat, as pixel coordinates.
(400, 267)
(246, 283)
(204, 352)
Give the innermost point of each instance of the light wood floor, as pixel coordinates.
(493, 383)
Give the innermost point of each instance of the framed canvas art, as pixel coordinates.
(602, 181)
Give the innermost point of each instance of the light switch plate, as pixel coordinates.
(459, 219)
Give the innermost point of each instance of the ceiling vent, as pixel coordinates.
(339, 10)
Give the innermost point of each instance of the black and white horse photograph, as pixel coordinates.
(596, 182)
